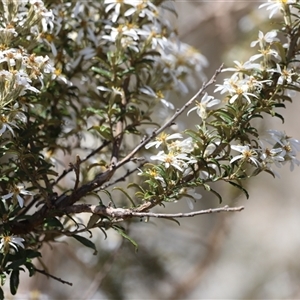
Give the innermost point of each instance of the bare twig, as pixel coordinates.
(54, 277)
(121, 178)
(122, 213)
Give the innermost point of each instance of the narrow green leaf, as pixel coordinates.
(125, 236)
(102, 72)
(217, 194)
(86, 242)
(110, 197)
(174, 220)
(103, 231)
(133, 184)
(126, 194)
(239, 187)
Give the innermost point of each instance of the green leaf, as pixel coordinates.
(53, 223)
(103, 130)
(239, 187)
(86, 242)
(102, 72)
(14, 281)
(16, 264)
(174, 220)
(103, 231)
(126, 194)
(2, 278)
(217, 194)
(32, 254)
(125, 236)
(110, 197)
(125, 72)
(93, 220)
(30, 268)
(135, 185)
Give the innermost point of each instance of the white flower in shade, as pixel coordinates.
(292, 160)
(162, 139)
(280, 139)
(148, 91)
(285, 74)
(201, 107)
(6, 124)
(270, 157)
(11, 241)
(190, 195)
(15, 193)
(290, 147)
(247, 154)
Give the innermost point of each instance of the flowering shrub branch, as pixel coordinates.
(90, 82)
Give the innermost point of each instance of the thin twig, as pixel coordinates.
(124, 213)
(121, 178)
(65, 172)
(54, 277)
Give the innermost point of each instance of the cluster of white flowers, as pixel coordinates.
(178, 63)
(244, 91)
(284, 149)
(22, 72)
(176, 153)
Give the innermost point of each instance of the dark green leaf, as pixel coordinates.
(16, 264)
(32, 254)
(14, 281)
(239, 187)
(30, 268)
(86, 242)
(217, 194)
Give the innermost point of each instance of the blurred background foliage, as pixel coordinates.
(247, 255)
